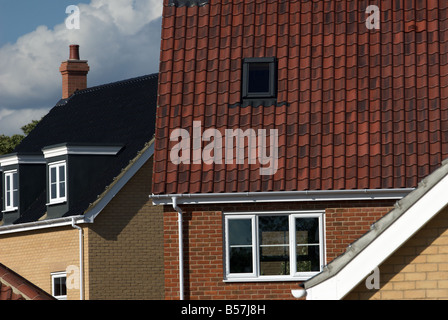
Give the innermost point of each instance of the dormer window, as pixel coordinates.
(259, 78)
(58, 182)
(11, 190)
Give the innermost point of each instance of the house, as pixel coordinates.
(76, 212)
(285, 129)
(407, 250)
(15, 287)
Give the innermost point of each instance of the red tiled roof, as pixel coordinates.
(15, 287)
(357, 108)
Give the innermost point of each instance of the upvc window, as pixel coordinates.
(11, 190)
(58, 182)
(59, 285)
(274, 246)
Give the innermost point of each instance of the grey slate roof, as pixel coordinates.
(121, 113)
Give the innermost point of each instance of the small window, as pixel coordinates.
(11, 190)
(259, 78)
(58, 285)
(273, 246)
(58, 182)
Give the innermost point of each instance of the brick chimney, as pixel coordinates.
(74, 73)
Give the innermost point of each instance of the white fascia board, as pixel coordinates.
(282, 196)
(120, 183)
(81, 150)
(383, 246)
(21, 159)
(90, 215)
(53, 223)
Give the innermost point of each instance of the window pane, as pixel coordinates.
(53, 174)
(308, 258)
(62, 190)
(15, 181)
(8, 183)
(274, 245)
(53, 193)
(8, 198)
(241, 260)
(15, 198)
(307, 244)
(62, 173)
(259, 78)
(59, 286)
(240, 242)
(307, 230)
(240, 232)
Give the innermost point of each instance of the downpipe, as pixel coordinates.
(181, 254)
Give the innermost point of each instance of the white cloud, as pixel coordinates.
(119, 38)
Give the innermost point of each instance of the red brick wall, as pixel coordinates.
(203, 248)
(346, 225)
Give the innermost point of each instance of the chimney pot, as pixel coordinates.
(74, 52)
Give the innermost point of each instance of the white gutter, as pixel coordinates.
(52, 223)
(81, 259)
(282, 196)
(181, 254)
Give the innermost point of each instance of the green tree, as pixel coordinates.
(8, 143)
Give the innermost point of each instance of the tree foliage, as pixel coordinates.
(8, 143)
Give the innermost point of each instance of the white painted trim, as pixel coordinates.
(58, 199)
(80, 150)
(55, 275)
(282, 196)
(255, 275)
(383, 246)
(120, 183)
(91, 214)
(43, 224)
(21, 159)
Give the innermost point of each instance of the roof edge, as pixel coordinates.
(282, 196)
(428, 187)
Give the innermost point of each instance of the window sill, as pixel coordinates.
(271, 279)
(10, 210)
(56, 203)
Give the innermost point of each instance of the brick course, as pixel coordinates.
(204, 245)
(123, 256)
(418, 270)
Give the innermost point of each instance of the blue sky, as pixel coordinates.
(19, 17)
(119, 38)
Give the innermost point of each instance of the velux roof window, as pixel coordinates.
(259, 78)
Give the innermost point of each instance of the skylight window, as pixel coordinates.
(259, 78)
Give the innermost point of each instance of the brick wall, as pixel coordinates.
(418, 270)
(346, 225)
(203, 247)
(36, 254)
(123, 256)
(125, 245)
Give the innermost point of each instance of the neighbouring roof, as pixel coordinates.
(356, 108)
(121, 113)
(386, 235)
(15, 287)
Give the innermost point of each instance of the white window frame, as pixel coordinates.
(255, 276)
(54, 276)
(58, 198)
(10, 175)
